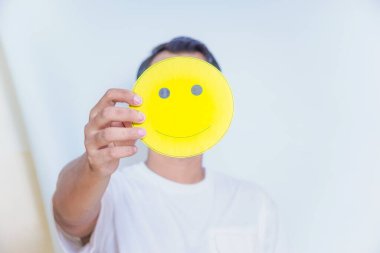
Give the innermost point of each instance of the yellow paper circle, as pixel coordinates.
(188, 106)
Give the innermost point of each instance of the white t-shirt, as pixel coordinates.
(142, 212)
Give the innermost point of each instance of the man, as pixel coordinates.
(164, 204)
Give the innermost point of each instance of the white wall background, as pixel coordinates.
(305, 76)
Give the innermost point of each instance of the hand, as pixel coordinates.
(109, 135)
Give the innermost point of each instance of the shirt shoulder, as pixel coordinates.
(125, 177)
(246, 198)
(249, 204)
(243, 188)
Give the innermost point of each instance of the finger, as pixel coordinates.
(127, 124)
(108, 154)
(118, 134)
(125, 143)
(111, 114)
(117, 124)
(104, 156)
(112, 96)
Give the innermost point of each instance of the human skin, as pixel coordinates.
(108, 138)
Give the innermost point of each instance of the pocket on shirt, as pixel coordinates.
(232, 240)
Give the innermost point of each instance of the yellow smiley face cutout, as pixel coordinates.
(188, 106)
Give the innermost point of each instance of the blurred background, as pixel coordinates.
(305, 77)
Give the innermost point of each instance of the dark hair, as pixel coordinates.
(178, 45)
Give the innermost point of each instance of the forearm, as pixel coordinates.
(82, 182)
(77, 199)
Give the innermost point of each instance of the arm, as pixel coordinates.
(82, 183)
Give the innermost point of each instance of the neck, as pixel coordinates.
(181, 170)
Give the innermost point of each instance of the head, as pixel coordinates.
(179, 46)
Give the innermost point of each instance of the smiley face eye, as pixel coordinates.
(196, 90)
(164, 93)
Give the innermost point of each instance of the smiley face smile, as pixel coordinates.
(188, 136)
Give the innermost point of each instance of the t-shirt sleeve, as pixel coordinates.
(272, 233)
(69, 244)
(99, 237)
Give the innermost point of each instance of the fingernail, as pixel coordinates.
(141, 132)
(141, 116)
(137, 99)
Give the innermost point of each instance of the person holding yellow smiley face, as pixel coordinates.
(180, 106)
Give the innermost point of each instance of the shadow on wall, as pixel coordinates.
(23, 222)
